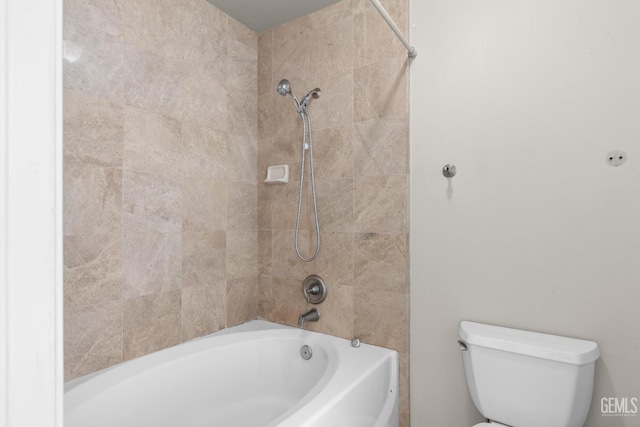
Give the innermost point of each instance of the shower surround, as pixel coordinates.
(171, 118)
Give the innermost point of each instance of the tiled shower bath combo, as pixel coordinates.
(171, 118)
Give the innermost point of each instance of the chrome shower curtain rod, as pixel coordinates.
(394, 27)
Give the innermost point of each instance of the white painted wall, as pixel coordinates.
(536, 231)
(30, 213)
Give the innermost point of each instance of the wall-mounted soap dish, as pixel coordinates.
(277, 174)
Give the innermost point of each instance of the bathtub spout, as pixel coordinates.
(310, 316)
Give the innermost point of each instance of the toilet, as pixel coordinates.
(527, 379)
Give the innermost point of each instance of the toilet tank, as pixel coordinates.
(528, 379)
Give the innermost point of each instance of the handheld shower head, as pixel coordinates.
(284, 87)
(315, 93)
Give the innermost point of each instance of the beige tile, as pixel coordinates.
(265, 55)
(333, 152)
(204, 309)
(152, 82)
(264, 191)
(265, 114)
(242, 253)
(203, 151)
(264, 158)
(204, 204)
(380, 146)
(243, 299)
(265, 290)
(242, 69)
(205, 43)
(380, 204)
(151, 202)
(93, 130)
(92, 269)
(287, 150)
(242, 206)
(242, 159)
(204, 258)
(284, 205)
(335, 204)
(264, 207)
(336, 312)
(205, 100)
(242, 117)
(381, 318)
(285, 260)
(333, 49)
(336, 104)
(291, 55)
(287, 125)
(151, 263)
(243, 34)
(335, 262)
(152, 142)
(381, 261)
(381, 90)
(151, 323)
(102, 15)
(264, 252)
(92, 199)
(93, 63)
(155, 25)
(92, 338)
(288, 300)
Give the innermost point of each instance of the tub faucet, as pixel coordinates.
(310, 316)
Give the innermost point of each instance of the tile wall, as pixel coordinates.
(360, 143)
(160, 195)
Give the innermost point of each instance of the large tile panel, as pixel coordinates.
(151, 263)
(151, 202)
(151, 323)
(92, 269)
(93, 338)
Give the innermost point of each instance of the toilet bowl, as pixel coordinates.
(510, 374)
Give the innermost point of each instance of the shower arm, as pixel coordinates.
(411, 49)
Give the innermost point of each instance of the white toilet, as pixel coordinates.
(527, 379)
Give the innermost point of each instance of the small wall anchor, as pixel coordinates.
(617, 158)
(449, 171)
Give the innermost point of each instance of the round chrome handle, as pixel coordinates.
(449, 171)
(314, 289)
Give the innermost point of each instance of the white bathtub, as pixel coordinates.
(250, 375)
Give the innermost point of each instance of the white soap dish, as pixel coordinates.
(277, 174)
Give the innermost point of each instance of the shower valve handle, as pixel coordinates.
(314, 289)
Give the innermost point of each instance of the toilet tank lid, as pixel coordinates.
(544, 346)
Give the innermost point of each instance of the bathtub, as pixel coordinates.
(251, 375)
